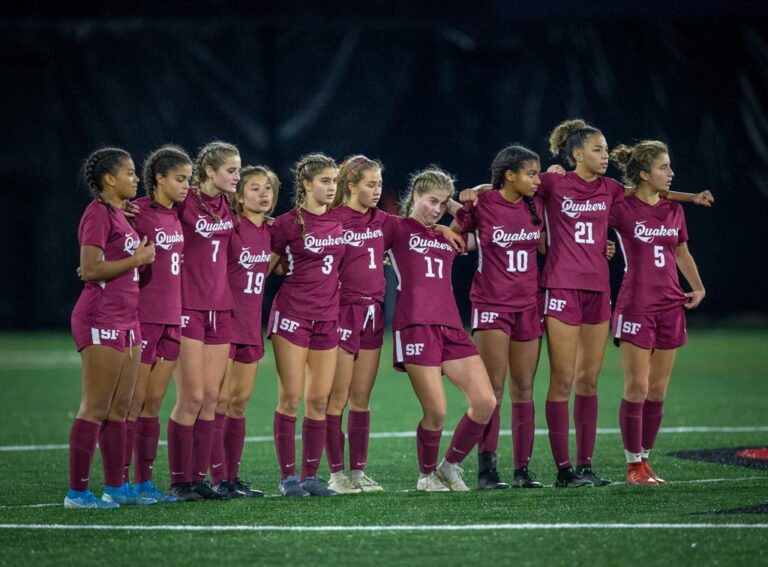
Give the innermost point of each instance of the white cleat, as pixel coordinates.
(342, 484)
(452, 475)
(364, 482)
(431, 483)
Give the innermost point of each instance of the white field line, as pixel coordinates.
(446, 434)
(384, 528)
(407, 491)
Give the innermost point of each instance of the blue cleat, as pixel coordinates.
(290, 486)
(317, 487)
(125, 496)
(87, 501)
(148, 490)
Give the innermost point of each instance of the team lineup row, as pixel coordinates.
(174, 284)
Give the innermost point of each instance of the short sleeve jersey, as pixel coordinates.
(160, 281)
(576, 215)
(361, 272)
(649, 236)
(311, 286)
(204, 284)
(422, 259)
(112, 302)
(507, 276)
(248, 263)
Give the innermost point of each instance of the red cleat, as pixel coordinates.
(650, 473)
(637, 476)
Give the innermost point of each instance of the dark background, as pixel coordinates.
(409, 83)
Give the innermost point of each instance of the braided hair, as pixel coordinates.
(305, 170)
(352, 170)
(100, 163)
(162, 161)
(568, 136)
(423, 182)
(513, 158)
(213, 154)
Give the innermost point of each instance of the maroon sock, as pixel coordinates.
(218, 456)
(180, 441)
(130, 443)
(631, 424)
(557, 421)
(427, 448)
(653, 412)
(466, 435)
(234, 438)
(312, 441)
(82, 446)
(112, 446)
(585, 420)
(523, 430)
(358, 432)
(489, 441)
(285, 444)
(334, 443)
(202, 442)
(147, 438)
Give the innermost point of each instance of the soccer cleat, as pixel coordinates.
(342, 484)
(451, 474)
(125, 496)
(316, 487)
(525, 479)
(290, 486)
(487, 474)
(208, 493)
(650, 473)
(364, 482)
(223, 488)
(237, 489)
(148, 490)
(183, 492)
(637, 476)
(567, 478)
(431, 483)
(86, 500)
(585, 471)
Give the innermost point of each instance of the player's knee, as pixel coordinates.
(483, 408)
(288, 405)
(317, 404)
(560, 389)
(151, 407)
(586, 387)
(434, 419)
(237, 406)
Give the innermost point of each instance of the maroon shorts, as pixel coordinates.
(316, 335)
(86, 334)
(246, 354)
(430, 345)
(159, 341)
(361, 326)
(520, 326)
(663, 330)
(208, 327)
(577, 306)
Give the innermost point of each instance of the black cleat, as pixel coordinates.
(487, 475)
(183, 492)
(241, 489)
(567, 478)
(525, 479)
(585, 472)
(208, 493)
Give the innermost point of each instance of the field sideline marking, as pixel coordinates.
(390, 528)
(412, 434)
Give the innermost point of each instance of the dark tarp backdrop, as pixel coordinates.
(410, 91)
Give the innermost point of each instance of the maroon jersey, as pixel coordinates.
(507, 276)
(116, 301)
(204, 284)
(361, 270)
(422, 260)
(649, 236)
(576, 216)
(311, 286)
(247, 264)
(160, 281)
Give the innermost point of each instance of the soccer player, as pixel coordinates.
(649, 318)
(166, 174)
(248, 263)
(303, 323)
(206, 322)
(428, 333)
(105, 328)
(507, 313)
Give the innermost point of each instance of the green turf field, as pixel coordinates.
(718, 398)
